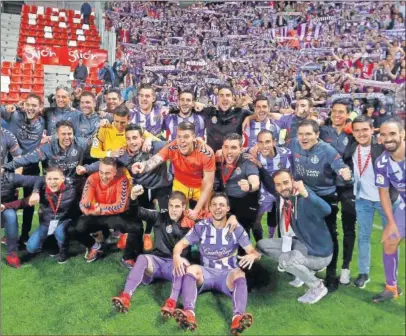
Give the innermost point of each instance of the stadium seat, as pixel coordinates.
(6, 64)
(27, 72)
(14, 87)
(3, 97)
(27, 66)
(13, 97)
(15, 79)
(38, 87)
(16, 71)
(24, 95)
(25, 86)
(27, 80)
(38, 80)
(5, 71)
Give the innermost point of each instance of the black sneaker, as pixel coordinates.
(331, 283)
(63, 256)
(362, 280)
(389, 293)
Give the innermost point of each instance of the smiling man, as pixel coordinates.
(89, 120)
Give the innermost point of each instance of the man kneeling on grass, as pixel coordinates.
(170, 226)
(220, 271)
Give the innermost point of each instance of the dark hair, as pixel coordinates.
(52, 169)
(189, 92)
(109, 161)
(179, 196)
(134, 127)
(308, 100)
(114, 90)
(280, 171)
(260, 98)
(363, 118)
(217, 194)
(341, 102)
(35, 96)
(146, 87)
(66, 123)
(226, 87)
(266, 132)
(121, 111)
(87, 94)
(395, 120)
(234, 136)
(186, 126)
(310, 122)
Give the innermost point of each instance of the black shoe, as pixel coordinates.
(362, 280)
(389, 293)
(331, 283)
(63, 256)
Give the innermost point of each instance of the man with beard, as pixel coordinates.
(185, 113)
(157, 182)
(62, 111)
(224, 118)
(306, 245)
(336, 136)
(89, 120)
(28, 126)
(238, 177)
(148, 114)
(220, 269)
(318, 164)
(361, 156)
(260, 121)
(113, 100)
(390, 171)
(194, 166)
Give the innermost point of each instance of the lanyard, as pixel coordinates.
(227, 176)
(287, 213)
(51, 203)
(361, 170)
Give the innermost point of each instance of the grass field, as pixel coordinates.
(44, 297)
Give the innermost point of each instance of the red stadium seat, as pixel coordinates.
(5, 71)
(13, 97)
(27, 72)
(27, 80)
(6, 64)
(3, 97)
(38, 87)
(14, 87)
(38, 67)
(26, 86)
(24, 95)
(38, 80)
(27, 66)
(16, 71)
(15, 79)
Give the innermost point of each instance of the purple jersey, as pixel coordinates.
(389, 172)
(173, 120)
(217, 249)
(255, 127)
(152, 122)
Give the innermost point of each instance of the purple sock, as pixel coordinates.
(390, 264)
(136, 275)
(271, 231)
(240, 296)
(176, 287)
(189, 292)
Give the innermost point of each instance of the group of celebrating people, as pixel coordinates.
(226, 121)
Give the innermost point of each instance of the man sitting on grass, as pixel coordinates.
(219, 270)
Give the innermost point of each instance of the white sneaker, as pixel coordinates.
(314, 295)
(296, 283)
(345, 276)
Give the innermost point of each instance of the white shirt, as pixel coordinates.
(282, 228)
(366, 182)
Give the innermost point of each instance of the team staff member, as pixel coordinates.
(219, 268)
(224, 119)
(184, 113)
(57, 201)
(158, 183)
(318, 164)
(391, 171)
(104, 204)
(306, 244)
(238, 177)
(90, 120)
(363, 154)
(194, 166)
(9, 145)
(336, 136)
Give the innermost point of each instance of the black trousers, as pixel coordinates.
(346, 196)
(331, 221)
(123, 223)
(161, 195)
(245, 209)
(28, 213)
(86, 18)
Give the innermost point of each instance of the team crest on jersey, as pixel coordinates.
(74, 152)
(380, 179)
(214, 120)
(169, 229)
(345, 142)
(314, 159)
(238, 171)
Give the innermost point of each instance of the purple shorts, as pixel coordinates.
(399, 215)
(215, 279)
(163, 268)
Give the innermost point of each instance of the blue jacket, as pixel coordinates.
(88, 126)
(86, 9)
(54, 114)
(103, 70)
(28, 134)
(318, 167)
(11, 181)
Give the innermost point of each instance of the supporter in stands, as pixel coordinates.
(80, 73)
(106, 74)
(120, 71)
(306, 245)
(86, 11)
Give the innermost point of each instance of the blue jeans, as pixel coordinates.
(365, 217)
(36, 240)
(9, 220)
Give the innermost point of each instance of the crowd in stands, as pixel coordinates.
(213, 117)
